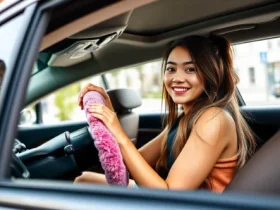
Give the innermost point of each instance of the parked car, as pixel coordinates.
(48, 45)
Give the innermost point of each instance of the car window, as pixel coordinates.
(62, 105)
(258, 67)
(144, 78)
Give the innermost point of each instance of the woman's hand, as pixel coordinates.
(91, 87)
(110, 119)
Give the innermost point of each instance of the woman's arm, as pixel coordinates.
(205, 145)
(151, 151)
(207, 141)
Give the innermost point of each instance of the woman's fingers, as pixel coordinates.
(109, 118)
(100, 117)
(91, 87)
(100, 109)
(102, 112)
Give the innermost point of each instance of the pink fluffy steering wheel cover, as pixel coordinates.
(108, 150)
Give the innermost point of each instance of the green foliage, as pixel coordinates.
(66, 101)
(152, 95)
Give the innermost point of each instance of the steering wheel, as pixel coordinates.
(18, 168)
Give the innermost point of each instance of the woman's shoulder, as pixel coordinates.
(215, 114)
(213, 124)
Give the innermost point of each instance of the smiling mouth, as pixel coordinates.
(180, 90)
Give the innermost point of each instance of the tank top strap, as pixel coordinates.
(170, 140)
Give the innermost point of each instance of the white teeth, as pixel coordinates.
(180, 89)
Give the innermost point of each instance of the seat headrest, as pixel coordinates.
(124, 99)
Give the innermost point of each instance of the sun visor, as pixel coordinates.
(90, 40)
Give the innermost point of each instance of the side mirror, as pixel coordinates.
(27, 117)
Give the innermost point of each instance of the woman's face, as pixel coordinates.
(180, 77)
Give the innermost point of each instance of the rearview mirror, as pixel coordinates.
(27, 117)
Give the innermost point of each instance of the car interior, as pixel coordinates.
(63, 151)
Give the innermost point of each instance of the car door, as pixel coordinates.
(25, 25)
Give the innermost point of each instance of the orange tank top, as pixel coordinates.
(221, 174)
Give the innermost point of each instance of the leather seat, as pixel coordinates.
(261, 174)
(123, 101)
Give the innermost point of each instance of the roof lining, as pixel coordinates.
(239, 19)
(187, 13)
(90, 20)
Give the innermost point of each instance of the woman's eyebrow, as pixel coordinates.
(185, 63)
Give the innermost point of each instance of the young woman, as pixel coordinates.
(202, 146)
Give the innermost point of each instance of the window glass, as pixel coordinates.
(144, 78)
(9, 34)
(258, 66)
(62, 105)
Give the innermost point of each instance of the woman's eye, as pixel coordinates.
(170, 69)
(189, 70)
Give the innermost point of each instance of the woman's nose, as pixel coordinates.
(177, 79)
(178, 76)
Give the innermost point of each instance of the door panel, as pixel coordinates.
(150, 125)
(264, 121)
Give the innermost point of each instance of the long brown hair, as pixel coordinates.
(212, 58)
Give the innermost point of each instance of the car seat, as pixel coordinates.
(261, 174)
(123, 101)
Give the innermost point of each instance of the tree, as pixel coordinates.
(66, 101)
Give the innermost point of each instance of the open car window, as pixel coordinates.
(258, 67)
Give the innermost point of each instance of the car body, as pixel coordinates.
(72, 40)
